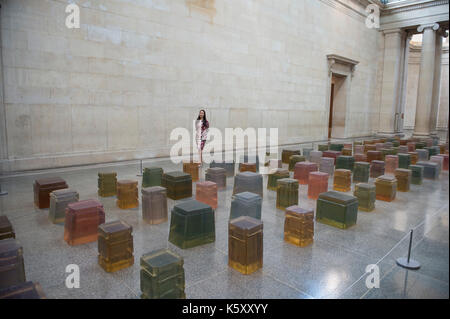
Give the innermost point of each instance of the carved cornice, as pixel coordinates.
(410, 5)
(337, 59)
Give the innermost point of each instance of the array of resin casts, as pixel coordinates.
(152, 176)
(127, 194)
(154, 204)
(43, 187)
(299, 226)
(366, 196)
(246, 204)
(107, 184)
(206, 192)
(245, 244)
(59, 200)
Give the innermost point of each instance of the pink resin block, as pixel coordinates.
(332, 154)
(360, 157)
(206, 192)
(411, 146)
(391, 164)
(302, 170)
(445, 162)
(359, 149)
(317, 184)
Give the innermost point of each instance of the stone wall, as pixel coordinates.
(115, 88)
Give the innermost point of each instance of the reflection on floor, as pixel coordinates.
(332, 267)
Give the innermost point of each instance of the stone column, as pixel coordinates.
(392, 79)
(436, 83)
(426, 78)
(404, 87)
(3, 140)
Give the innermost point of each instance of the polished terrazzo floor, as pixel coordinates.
(333, 267)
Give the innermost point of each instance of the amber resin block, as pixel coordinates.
(59, 200)
(403, 177)
(154, 204)
(414, 157)
(286, 154)
(376, 169)
(177, 184)
(360, 158)
(332, 154)
(287, 192)
(191, 168)
(342, 180)
(361, 172)
(248, 182)
(374, 155)
(366, 195)
(127, 194)
(247, 167)
(206, 192)
(295, 159)
(25, 290)
(6, 229)
(391, 164)
(299, 226)
(245, 244)
(107, 184)
(347, 151)
(162, 275)
(275, 176)
(43, 187)
(12, 270)
(386, 188)
(192, 224)
(228, 166)
(317, 184)
(315, 157)
(369, 147)
(115, 246)
(152, 176)
(327, 165)
(217, 175)
(302, 170)
(82, 221)
(444, 161)
(337, 209)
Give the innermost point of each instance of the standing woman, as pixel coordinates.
(202, 126)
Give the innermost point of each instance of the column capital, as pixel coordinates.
(433, 26)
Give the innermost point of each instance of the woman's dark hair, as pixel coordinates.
(204, 116)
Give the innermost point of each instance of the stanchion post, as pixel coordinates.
(407, 262)
(141, 173)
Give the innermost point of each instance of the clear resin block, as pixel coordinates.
(59, 200)
(430, 170)
(115, 246)
(217, 175)
(332, 154)
(391, 164)
(386, 188)
(177, 184)
(359, 149)
(444, 161)
(342, 180)
(422, 155)
(366, 195)
(247, 167)
(192, 224)
(191, 168)
(6, 229)
(374, 155)
(245, 244)
(152, 176)
(416, 174)
(404, 160)
(295, 159)
(154, 205)
(337, 209)
(414, 157)
(361, 172)
(127, 194)
(345, 162)
(107, 184)
(287, 192)
(376, 168)
(275, 176)
(306, 151)
(248, 182)
(246, 204)
(82, 221)
(439, 160)
(12, 270)
(25, 290)
(286, 154)
(327, 165)
(43, 187)
(403, 177)
(299, 226)
(162, 275)
(229, 167)
(315, 157)
(206, 192)
(317, 184)
(302, 170)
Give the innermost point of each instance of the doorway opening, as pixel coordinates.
(338, 102)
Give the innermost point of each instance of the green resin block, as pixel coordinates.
(192, 224)
(420, 145)
(416, 174)
(388, 151)
(336, 147)
(404, 160)
(366, 195)
(337, 209)
(178, 185)
(295, 159)
(275, 176)
(323, 147)
(431, 151)
(361, 172)
(286, 155)
(162, 275)
(395, 143)
(152, 176)
(287, 192)
(246, 204)
(345, 162)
